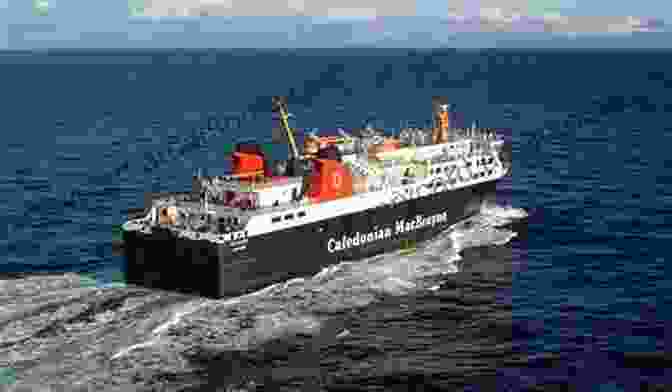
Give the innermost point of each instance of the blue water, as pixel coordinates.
(86, 134)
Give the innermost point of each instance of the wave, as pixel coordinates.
(50, 320)
(301, 305)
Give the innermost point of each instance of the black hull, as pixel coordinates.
(162, 261)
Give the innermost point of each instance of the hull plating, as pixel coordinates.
(159, 260)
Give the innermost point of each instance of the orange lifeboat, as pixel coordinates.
(325, 141)
(248, 161)
(388, 145)
(313, 144)
(168, 215)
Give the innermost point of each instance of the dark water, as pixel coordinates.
(573, 297)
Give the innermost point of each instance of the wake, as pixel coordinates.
(301, 305)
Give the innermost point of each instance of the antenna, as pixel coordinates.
(280, 106)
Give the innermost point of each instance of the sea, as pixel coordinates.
(559, 286)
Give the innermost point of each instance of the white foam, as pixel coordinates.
(295, 306)
(128, 349)
(185, 309)
(504, 212)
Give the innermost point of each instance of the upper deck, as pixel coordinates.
(264, 194)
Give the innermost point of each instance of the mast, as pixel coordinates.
(442, 126)
(280, 106)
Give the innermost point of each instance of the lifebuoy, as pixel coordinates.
(337, 180)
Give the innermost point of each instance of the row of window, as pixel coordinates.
(481, 174)
(277, 219)
(481, 162)
(437, 170)
(474, 175)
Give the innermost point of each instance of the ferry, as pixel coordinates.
(335, 198)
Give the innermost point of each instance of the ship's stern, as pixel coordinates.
(162, 260)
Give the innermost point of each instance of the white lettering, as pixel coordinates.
(235, 236)
(400, 226)
(330, 245)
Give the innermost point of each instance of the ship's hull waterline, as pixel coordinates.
(163, 261)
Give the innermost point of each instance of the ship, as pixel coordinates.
(340, 197)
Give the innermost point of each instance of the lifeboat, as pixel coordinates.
(313, 144)
(248, 161)
(325, 141)
(168, 215)
(387, 146)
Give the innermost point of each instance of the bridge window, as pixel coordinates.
(275, 219)
(289, 216)
(301, 214)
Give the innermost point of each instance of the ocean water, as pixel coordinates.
(560, 286)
